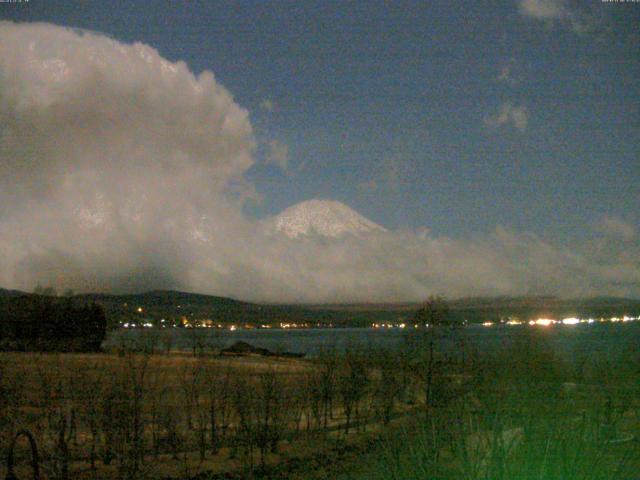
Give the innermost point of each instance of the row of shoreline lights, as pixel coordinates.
(209, 324)
(544, 322)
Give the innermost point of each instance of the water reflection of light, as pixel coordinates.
(570, 321)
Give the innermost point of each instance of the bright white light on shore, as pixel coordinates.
(232, 328)
(514, 322)
(139, 309)
(545, 322)
(570, 321)
(487, 324)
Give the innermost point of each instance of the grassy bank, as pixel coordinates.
(136, 415)
(414, 412)
(529, 415)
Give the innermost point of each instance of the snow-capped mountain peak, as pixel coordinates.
(327, 218)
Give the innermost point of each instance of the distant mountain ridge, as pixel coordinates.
(175, 297)
(176, 305)
(11, 293)
(166, 297)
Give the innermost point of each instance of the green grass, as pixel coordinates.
(529, 416)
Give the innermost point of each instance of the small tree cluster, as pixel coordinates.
(47, 323)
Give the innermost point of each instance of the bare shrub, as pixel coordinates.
(328, 365)
(270, 414)
(218, 393)
(353, 381)
(244, 421)
(389, 385)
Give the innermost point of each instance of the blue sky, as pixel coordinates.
(394, 107)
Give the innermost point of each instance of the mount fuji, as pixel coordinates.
(327, 218)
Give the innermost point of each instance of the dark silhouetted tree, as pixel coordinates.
(432, 314)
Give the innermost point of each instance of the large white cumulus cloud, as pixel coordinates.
(111, 158)
(121, 171)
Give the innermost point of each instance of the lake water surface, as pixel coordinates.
(599, 338)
